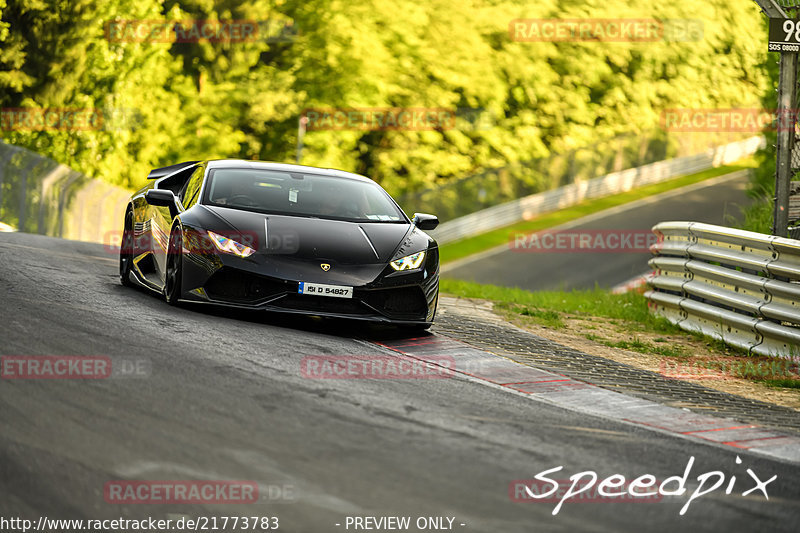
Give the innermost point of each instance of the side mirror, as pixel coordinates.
(162, 198)
(424, 221)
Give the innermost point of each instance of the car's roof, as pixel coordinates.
(286, 167)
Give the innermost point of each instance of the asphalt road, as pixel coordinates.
(550, 266)
(223, 399)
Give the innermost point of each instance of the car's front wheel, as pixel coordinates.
(174, 276)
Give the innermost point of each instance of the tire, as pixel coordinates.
(174, 277)
(126, 251)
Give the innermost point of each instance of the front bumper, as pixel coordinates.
(234, 282)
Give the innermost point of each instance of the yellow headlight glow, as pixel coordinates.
(230, 246)
(409, 262)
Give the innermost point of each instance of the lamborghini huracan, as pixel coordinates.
(280, 237)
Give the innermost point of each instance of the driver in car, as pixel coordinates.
(332, 204)
(238, 193)
(339, 204)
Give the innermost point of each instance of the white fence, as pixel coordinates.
(525, 208)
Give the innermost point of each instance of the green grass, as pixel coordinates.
(637, 345)
(485, 241)
(782, 383)
(548, 318)
(547, 307)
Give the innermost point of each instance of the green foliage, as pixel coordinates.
(547, 306)
(244, 99)
(759, 216)
(547, 318)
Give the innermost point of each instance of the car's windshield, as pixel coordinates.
(300, 194)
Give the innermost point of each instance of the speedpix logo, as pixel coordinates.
(544, 489)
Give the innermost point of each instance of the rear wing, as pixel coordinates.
(165, 171)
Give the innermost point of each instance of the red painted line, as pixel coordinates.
(716, 429)
(423, 342)
(412, 344)
(391, 348)
(733, 442)
(477, 376)
(648, 424)
(651, 425)
(741, 444)
(543, 381)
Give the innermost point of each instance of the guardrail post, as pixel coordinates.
(787, 89)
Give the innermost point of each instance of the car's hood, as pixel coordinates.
(316, 239)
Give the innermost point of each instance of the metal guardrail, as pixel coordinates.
(533, 205)
(737, 286)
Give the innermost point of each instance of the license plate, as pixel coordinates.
(318, 289)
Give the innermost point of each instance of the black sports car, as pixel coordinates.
(280, 237)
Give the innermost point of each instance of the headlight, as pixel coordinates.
(230, 246)
(409, 262)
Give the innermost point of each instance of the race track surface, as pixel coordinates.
(716, 201)
(223, 398)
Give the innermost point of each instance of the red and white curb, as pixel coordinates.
(633, 284)
(587, 398)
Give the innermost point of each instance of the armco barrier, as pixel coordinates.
(529, 206)
(737, 286)
(38, 195)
